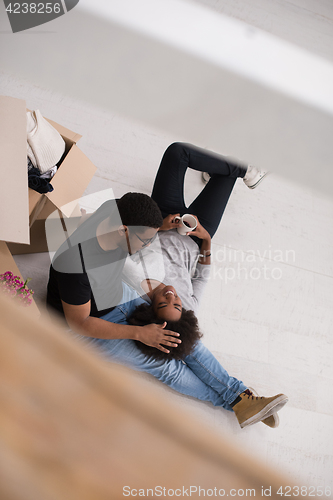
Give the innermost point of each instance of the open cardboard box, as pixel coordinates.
(22, 210)
(20, 206)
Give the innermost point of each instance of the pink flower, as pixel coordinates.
(14, 286)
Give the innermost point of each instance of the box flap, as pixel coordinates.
(34, 200)
(37, 209)
(71, 180)
(14, 205)
(7, 263)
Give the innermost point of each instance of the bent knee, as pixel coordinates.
(175, 149)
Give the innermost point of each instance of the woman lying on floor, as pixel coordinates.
(197, 373)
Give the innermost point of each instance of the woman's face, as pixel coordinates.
(166, 303)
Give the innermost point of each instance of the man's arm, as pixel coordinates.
(79, 319)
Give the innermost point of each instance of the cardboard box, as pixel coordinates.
(42, 240)
(22, 210)
(20, 206)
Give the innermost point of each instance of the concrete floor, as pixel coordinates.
(267, 310)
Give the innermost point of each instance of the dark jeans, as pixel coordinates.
(209, 205)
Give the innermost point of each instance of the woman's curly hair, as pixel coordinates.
(187, 327)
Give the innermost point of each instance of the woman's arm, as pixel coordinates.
(201, 274)
(205, 248)
(205, 251)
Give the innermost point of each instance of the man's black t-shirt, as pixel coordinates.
(81, 270)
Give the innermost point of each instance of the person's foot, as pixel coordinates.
(273, 421)
(254, 176)
(205, 177)
(250, 409)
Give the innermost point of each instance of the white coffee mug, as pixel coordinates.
(188, 223)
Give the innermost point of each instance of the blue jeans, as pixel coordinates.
(200, 375)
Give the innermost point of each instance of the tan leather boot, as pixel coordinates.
(250, 409)
(273, 421)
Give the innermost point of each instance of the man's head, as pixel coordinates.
(137, 209)
(141, 219)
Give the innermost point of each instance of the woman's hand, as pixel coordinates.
(155, 335)
(200, 231)
(170, 223)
